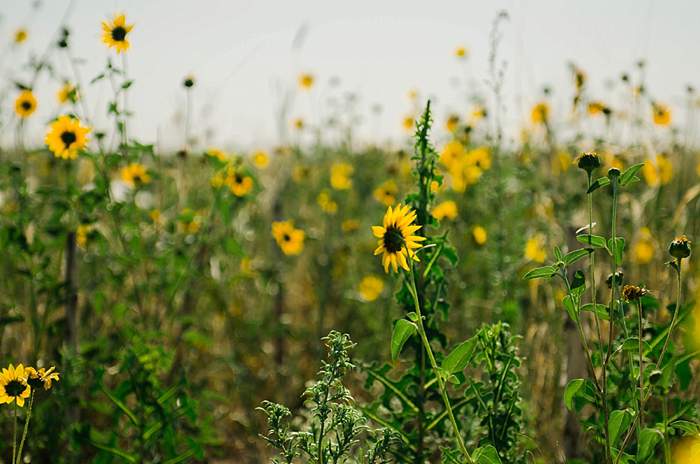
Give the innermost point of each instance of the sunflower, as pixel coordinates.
(114, 33)
(261, 159)
(289, 239)
(298, 123)
(370, 287)
(239, 184)
(534, 249)
(25, 104)
(14, 386)
(452, 123)
(396, 239)
(67, 93)
(135, 175)
(540, 113)
(407, 123)
(480, 235)
(218, 154)
(461, 52)
(386, 193)
(66, 137)
(41, 377)
(341, 176)
(446, 209)
(21, 35)
(306, 81)
(661, 114)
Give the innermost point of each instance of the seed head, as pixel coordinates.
(680, 247)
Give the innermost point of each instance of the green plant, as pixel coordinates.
(335, 431)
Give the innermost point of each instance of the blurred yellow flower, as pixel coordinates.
(534, 249)
(326, 203)
(480, 157)
(452, 123)
(156, 216)
(66, 137)
(25, 104)
(661, 114)
(561, 162)
(81, 235)
(687, 450)
(478, 113)
(446, 209)
(135, 175)
(114, 33)
(189, 222)
(67, 93)
(21, 35)
(407, 123)
(306, 81)
(238, 183)
(298, 123)
(300, 173)
(218, 154)
(350, 225)
(434, 186)
(453, 154)
(540, 113)
(341, 176)
(596, 108)
(288, 238)
(261, 159)
(643, 248)
(386, 193)
(658, 172)
(461, 52)
(480, 235)
(370, 287)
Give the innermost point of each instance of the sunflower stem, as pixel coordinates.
(433, 363)
(26, 429)
(14, 433)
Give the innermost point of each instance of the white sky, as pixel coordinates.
(241, 50)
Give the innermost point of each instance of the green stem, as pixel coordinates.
(26, 429)
(675, 312)
(640, 422)
(433, 363)
(14, 433)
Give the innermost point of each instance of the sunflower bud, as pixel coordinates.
(589, 162)
(618, 276)
(613, 173)
(188, 82)
(680, 247)
(633, 292)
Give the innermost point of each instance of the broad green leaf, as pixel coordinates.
(572, 388)
(617, 250)
(618, 423)
(600, 309)
(544, 272)
(648, 439)
(573, 256)
(486, 455)
(629, 174)
(600, 182)
(458, 359)
(403, 330)
(596, 241)
(570, 308)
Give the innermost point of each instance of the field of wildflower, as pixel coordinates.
(461, 295)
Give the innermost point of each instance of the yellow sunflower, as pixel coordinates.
(396, 239)
(386, 193)
(239, 184)
(135, 175)
(540, 113)
(67, 93)
(341, 176)
(41, 377)
(446, 209)
(21, 35)
(14, 386)
(261, 159)
(66, 137)
(480, 235)
(370, 287)
(461, 52)
(25, 104)
(289, 238)
(661, 114)
(114, 33)
(306, 81)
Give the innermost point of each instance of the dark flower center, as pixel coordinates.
(26, 105)
(393, 239)
(68, 138)
(35, 382)
(286, 237)
(119, 34)
(15, 388)
(238, 179)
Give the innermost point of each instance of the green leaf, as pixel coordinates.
(572, 388)
(544, 272)
(648, 439)
(558, 254)
(573, 256)
(403, 330)
(120, 404)
(600, 182)
(600, 309)
(687, 427)
(115, 451)
(596, 241)
(486, 455)
(458, 359)
(570, 308)
(629, 174)
(617, 250)
(619, 421)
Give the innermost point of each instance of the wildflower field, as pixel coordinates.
(470, 292)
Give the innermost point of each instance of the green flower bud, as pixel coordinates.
(589, 162)
(680, 247)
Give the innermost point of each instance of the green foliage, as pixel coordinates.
(335, 430)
